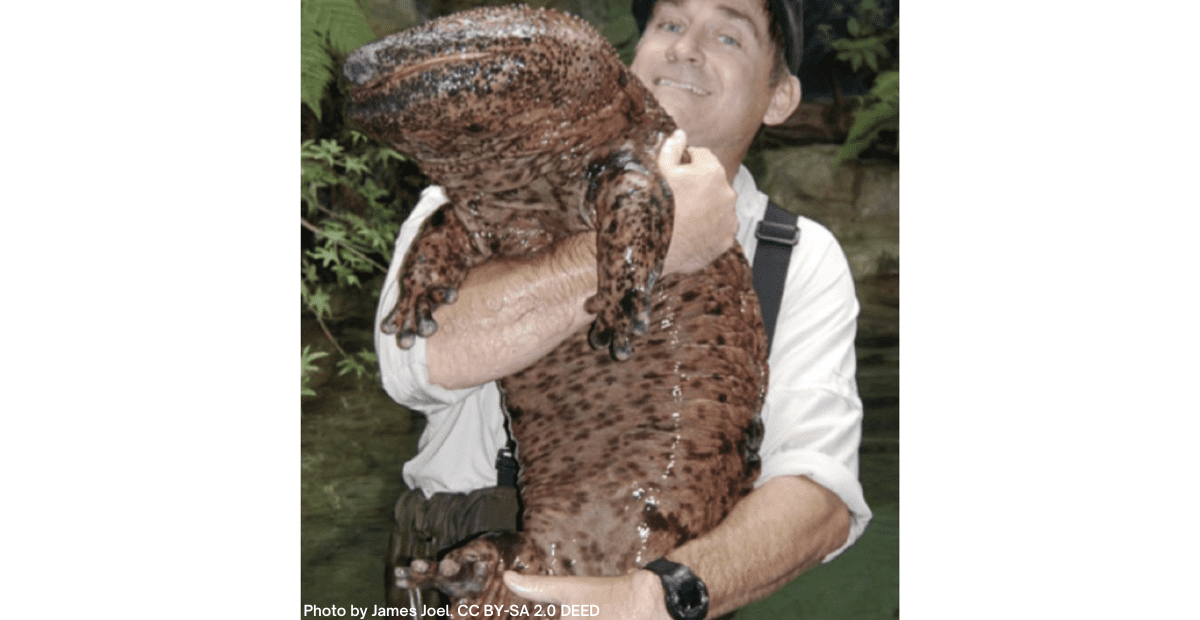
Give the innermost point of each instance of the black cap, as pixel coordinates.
(789, 14)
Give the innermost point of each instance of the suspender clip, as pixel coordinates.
(783, 234)
(507, 466)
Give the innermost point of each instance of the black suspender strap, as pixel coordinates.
(777, 233)
(506, 464)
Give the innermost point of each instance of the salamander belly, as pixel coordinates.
(623, 461)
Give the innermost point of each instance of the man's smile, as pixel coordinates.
(682, 86)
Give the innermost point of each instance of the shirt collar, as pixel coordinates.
(750, 203)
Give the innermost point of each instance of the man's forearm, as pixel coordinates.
(780, 530)
(510, 313)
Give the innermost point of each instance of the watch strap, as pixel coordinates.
(685, 594)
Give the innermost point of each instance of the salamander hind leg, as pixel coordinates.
(634, 214)
(433, 270)
(472, 573)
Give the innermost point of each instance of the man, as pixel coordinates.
(720, 68)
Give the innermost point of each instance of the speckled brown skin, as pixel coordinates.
(537, 132)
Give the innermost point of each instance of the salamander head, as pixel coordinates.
(486, 74)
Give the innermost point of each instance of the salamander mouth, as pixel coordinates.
(406, 72)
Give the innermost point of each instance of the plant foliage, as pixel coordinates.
(880, 112)
(327, 27)
(354, 220)
(865, 48)
(307, 367)
(869, 36)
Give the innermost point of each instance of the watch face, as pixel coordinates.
(685, 594)
(690, 596)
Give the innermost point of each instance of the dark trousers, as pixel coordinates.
(424, 528)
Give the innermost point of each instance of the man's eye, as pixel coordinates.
(728, 40)
(670, 26)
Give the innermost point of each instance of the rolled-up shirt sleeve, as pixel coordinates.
(464, 428)
(404, 373)
(813, 415)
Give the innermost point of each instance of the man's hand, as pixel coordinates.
(705, 205)
(778, 531)
(637, 596)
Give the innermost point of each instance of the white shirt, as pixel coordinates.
(812, 417)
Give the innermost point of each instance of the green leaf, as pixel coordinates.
(377, 240)
(853, 27)
(316, 69)
(887, 87)
(334, 233)
(314, 150)
(318, 302)
(356, 165)
(307, 358)
(330, 150)
(356, 222)
(327, 152)
(345, 274)
(386, 153)
(347, 365)
(341, 21)
(327, 254)
(313, 172)
(307, 366)
(882, 113)
(371, 191)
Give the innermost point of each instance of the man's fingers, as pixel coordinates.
(704, 157)
(672, 149)
(676, 153)
(532, 587)
(559, 590)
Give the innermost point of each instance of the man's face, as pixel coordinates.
(709, 63)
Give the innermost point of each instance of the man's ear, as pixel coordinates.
(784, 100)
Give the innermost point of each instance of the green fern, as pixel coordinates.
(881, 112)
(327, 27)
(308, 368)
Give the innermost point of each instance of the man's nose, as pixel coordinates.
(686, 48)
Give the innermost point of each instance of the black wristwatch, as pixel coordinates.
(685, 593)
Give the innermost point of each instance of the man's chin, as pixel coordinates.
(676, 103)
